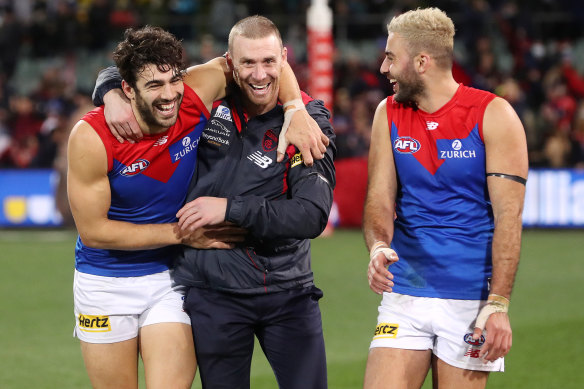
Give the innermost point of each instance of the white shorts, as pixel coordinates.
(441, 325)
(113, 309)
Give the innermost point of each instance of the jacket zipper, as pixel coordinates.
(265, 271)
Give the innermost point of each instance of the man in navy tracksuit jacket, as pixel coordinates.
(265, 286)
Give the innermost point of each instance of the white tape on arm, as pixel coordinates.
(289, 108)
(495, 304)
(382, 247)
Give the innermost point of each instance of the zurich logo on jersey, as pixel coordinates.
(406, 145)
(135, 167)
(454, 150)
(177, 152)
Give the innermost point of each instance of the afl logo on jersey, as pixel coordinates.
(478, 342)
(134, 168)
(406, 145)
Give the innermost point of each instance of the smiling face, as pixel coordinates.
(398, 67)
(257, 65)
(156, 99)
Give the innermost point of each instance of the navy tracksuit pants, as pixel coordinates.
(287, 324)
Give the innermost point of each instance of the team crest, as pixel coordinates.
(270, 141)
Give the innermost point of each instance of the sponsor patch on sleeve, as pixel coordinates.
(296, 160)
(90, 323)
(386, 331)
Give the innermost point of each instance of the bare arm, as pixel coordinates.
(90, 197)
(506, 153)
(380, 200)
(506, 150)
(209, 80)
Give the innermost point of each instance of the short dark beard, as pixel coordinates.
(408, 93)
(146, 113)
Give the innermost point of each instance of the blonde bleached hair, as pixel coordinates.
(253, 27)
(426, 29)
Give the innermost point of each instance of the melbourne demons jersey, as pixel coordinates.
(444, 224)
(149, 182)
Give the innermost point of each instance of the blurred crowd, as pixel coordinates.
(528, 52)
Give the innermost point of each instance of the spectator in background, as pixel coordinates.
(11, 33)
(496, 40)
(24, 123)
(98, 28)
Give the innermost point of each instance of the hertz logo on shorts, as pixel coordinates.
(386, 331)
(296, 160)
(91, 323)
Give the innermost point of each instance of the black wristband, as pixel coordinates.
(511, 177)
(108, 79)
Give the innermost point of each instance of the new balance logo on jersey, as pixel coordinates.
(162, 140)
(134, 168)
(431, 125)
(472, 353)
(456, 151)
(90, 323)
(406, 145)
(223, 112)
(259, 159)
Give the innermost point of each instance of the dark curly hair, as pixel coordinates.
(144, 46)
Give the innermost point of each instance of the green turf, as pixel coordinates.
(37, 350)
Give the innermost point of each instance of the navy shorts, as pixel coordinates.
(287, 324)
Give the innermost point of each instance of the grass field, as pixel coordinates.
(547, 315)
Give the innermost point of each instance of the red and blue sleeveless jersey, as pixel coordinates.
(149, 182)
(444, 221)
